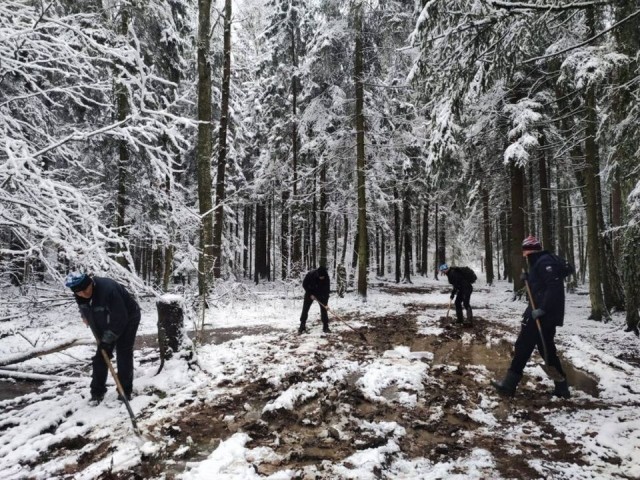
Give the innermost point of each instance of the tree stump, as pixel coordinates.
(170, 325)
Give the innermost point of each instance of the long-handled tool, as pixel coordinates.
(448, 310)
(107, 360)
(550, 370)
(364, 339)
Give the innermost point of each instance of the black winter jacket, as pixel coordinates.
(457, 279)
(314, 286)
(547, 287)
(111, 307)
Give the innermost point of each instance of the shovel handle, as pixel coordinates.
(336, 315)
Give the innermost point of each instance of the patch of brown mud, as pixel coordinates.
(214, 336)
(455, 412)
(89, 453)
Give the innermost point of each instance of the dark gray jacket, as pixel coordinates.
(111, 307)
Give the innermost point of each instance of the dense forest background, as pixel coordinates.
(194, 143)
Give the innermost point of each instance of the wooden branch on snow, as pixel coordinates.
(39, 352)
(37, 377)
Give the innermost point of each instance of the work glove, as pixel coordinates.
(524, 276)
(107, 340)
(452, 296)
(537, 313)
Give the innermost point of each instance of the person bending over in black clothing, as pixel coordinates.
(462, 290)
(316, 286)
(113, 315)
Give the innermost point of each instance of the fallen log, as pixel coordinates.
(39, 352)
(36, 377)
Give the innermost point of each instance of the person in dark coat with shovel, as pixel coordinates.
(316, 286)
(462, 290)
(113, 316)
(546, 287)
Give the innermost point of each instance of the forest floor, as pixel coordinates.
(402, 394)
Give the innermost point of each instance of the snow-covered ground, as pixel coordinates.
(265, 376)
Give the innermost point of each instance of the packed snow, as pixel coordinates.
(38, 428)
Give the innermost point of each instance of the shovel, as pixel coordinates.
(364, 339)
(551, 371)
(448, 310)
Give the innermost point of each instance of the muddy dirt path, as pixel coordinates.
(445, 423)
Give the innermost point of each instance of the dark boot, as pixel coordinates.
(325, 329)
(302, 329)
(128, 395)
(96, 399)
(469, 321)
(459, 316)
(561, 390)
(508, 385)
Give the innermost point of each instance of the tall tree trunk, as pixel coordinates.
(397, 229)
(529, 208)
(261, 270)
(436, 220)
(335, 244)
(407, 227)
(284, 236)
(222, 145)
(498, 246)
(517, 224)
(442, 241)
(345, 239)
(360, 154)
(425, 240)
(383, 252)
(505, 237)
(592, 170)
(378, 252)
(296, 254)
(324, 223)
(546, 218)
(270, 236)
(204, 147)
(565, 248)
(488, 245)
(616, 212)
(245, 239)
(123, 110)
(631, 275)
(612, 288)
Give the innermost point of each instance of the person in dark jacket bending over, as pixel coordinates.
(462, 290)
(316, 286)
(547, 289)
(113, 315)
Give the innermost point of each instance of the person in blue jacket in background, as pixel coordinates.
(113, 315)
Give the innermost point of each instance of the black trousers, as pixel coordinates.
(528, 339)
(463, 298)
(305, 311)
(124, 358)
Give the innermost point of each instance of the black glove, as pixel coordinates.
(452, 296)
(537, 313)
(524, 276)
(107, 340)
